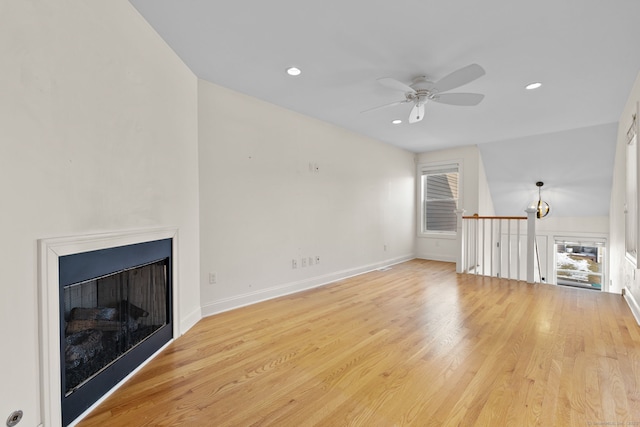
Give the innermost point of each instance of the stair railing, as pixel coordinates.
(493, 245)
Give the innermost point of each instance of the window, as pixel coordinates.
(439, 194)
(580, 264)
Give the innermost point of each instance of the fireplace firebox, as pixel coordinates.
(115, 313)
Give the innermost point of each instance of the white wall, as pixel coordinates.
(575, 166)
(485, 201)
(261, 206)
(98, 133)
(474, 195)
(623, 274)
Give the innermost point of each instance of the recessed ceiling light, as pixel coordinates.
(396, 121)
(532, 86)
(294, 71)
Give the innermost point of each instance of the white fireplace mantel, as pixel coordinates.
(50, 250)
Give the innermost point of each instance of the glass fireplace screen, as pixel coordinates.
(106, 317)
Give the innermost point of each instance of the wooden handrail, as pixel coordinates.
(494, 217)
(471, 243)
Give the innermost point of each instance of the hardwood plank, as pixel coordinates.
(414, 345)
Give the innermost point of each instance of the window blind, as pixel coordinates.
(440, 197)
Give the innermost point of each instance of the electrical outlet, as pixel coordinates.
(303, 262)
(213, 278)
(317, 259)
(294, 263)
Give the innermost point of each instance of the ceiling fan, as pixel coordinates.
(422, 90)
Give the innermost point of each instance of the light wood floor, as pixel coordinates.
(416, 345)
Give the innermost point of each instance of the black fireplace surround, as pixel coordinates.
(115, 313)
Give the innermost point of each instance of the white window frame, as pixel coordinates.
(422, 169)
(632, 230)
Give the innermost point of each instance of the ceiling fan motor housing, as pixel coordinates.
(422, 90)
(422, 83)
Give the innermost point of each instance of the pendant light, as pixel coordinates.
(542, 207)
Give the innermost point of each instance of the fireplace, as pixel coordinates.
(115, 309)
(115, 312)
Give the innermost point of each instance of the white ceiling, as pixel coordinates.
(585, 52)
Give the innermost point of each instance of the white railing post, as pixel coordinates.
(491, 259)
(531, 241)
(460, 258)
(519, 278)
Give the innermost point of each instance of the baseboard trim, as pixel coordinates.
(243, 300)
(632, 303)
(436, 257)
(190, 320)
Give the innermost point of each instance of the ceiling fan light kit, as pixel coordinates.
(422, 90)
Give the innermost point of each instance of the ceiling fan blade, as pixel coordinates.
(417, 113)
(395, 84)
(393, 104)
(458, 78)
(464, 99)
